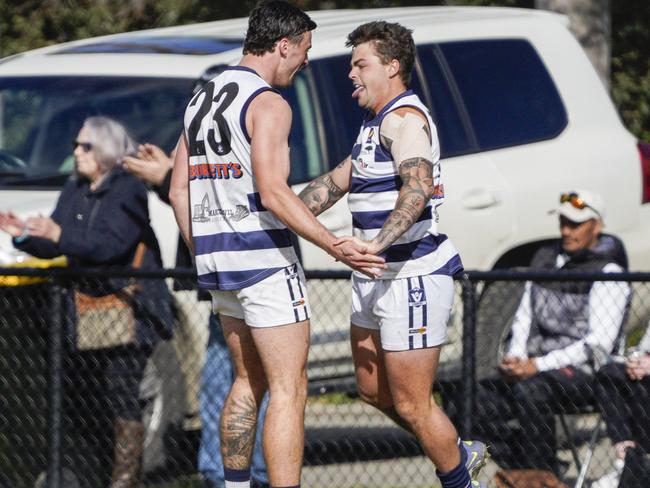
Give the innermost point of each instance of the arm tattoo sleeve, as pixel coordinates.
(321, 194)
(416, 191)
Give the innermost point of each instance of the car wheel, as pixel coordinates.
(496, 309)
(161, 395)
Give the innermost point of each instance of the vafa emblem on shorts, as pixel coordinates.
(291, 272)
(417, 297)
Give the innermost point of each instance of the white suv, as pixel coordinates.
(521, 114)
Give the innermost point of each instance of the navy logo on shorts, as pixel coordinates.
(416, 297)
(291, 271)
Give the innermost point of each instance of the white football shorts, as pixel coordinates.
(410, 313)
(279, 299)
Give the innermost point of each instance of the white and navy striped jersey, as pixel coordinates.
(374, 187)
(236, 240)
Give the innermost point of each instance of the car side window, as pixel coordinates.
(342, 116)
(305, 154)
(41, 115)
(453, 131)
(506, 90)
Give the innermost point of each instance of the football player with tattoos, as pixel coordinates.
(236, 212)
(398, 319)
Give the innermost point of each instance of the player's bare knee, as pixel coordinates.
(409, 411)
(287, 401)
(294, 392)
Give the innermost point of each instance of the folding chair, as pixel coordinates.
(582, 465)
(597, 357)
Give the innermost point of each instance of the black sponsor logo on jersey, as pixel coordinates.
(203, 213)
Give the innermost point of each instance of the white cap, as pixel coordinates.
(594, 206)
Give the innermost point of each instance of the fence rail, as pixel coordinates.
(36, 429)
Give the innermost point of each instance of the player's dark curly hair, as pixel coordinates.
(391, 41)
(270, 21)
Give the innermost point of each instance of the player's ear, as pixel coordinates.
(283, 47)
(393, 68)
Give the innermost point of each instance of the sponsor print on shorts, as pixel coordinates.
(417, 305)
(298, 301)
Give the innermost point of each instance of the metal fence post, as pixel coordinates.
(468, 398)
(55, 388)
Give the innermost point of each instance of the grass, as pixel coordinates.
(334, 399)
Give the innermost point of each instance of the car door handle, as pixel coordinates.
(479, 198)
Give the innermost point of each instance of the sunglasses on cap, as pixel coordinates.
(577, 202)
(86, 146)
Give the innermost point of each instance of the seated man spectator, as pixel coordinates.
(557, 329)
(623, 393)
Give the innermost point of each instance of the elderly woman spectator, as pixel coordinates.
(102, 220)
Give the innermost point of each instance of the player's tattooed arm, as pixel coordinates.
(324, 191)
(417, 189)
(406, 134)
(321, 194)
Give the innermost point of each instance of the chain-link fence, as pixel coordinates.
(80, 405)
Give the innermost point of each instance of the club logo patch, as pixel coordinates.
(417, 297)
(291, 272)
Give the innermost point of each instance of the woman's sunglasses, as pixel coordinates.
(86, 146)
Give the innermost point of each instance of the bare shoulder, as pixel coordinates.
(402, 112)
(270, 103)
(268, 110)
(399, 123)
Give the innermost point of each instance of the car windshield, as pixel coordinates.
(41, 116)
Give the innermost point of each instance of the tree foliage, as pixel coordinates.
(631, 64)
(28, 24)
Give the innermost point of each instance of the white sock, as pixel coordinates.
(238, 484)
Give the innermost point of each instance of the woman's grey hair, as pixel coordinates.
(110, 141)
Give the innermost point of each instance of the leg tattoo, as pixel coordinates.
(238, 423)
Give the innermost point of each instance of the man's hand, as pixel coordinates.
(359, 255)
(151, 165)
(638, 368)
(44, 227)
(11, 224)
(515, 369)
